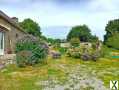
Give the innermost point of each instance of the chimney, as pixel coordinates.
(15, 19)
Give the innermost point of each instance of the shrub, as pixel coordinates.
(76, 54)
(95, 55)
(73, 52)
(84, 53)
(113, 41)
(30, 51)
(106, 51)
(27, 42)
(62, 50)
(75, 42)
(87, 56)
(23, 58)
(68, 53)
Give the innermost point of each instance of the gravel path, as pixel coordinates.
(79, 78)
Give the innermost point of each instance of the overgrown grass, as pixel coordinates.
(14, 78)
(106, 69)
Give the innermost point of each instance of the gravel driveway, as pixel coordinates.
(78, 78)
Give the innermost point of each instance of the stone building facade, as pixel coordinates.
(10, 31)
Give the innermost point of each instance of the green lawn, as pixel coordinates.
(14, 78)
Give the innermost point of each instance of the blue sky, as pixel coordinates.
(56, 17)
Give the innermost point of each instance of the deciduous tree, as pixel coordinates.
(31, 27)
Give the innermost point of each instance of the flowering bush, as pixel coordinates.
(84, 53)
(23, 58)
(30, 51)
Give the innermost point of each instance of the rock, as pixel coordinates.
(8, 59)
(56, 55)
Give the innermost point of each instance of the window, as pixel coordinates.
(17, 35)
(1, 43)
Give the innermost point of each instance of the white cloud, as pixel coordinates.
(94, 13)
(9, 1)
(103, 5)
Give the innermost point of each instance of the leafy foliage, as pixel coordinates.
(93, 38)
(62, 50)
(112, 34)
(74, 52)
(84, 53)
(82, 32)
(30, 51)
(23, 58)
(31, 27)
(105, 51)
(113, 41)
(75, 41)
(53, 41)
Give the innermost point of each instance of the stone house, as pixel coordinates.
(10, 31)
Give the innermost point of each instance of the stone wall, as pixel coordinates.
(15, 34)
(8, 59)
(12, 33)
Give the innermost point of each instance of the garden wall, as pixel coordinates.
(7, 59)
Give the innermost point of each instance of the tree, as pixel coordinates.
(82, 32)
(94, 38)
(53, 41)
(31, 27)
(112, 34)
(43, 38)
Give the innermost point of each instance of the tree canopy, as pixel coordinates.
(111, 37)
(31, 27)
(82, 32)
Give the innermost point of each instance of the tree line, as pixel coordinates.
(80, 32)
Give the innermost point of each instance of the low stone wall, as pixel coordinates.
(8, 59)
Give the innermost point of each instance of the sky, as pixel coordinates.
(56, 17)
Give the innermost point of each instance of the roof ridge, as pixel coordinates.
(9, 20)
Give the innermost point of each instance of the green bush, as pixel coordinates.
(106, 51)
(27, 42)
(74, 52)
(30, 51)
(90, 56)
(62, 50)
(23, 58)
(84, 53)
(75, 42)
(113, 42)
